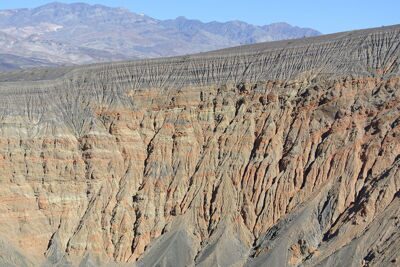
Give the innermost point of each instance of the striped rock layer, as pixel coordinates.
(275, 154)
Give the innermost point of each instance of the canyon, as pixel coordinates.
(274, 154)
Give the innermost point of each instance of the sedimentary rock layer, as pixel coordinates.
(283, 153)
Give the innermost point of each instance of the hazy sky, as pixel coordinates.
(324, 15)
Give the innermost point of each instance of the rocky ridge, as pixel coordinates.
(282, 154)
(79, 33)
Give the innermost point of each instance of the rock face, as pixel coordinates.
(68, 34)
(277, 154)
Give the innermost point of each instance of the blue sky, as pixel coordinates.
(326, 16)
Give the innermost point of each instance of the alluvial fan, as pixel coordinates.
(275, 154)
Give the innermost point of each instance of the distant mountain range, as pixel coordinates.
(66, 34)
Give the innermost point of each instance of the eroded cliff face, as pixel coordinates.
(214, 162)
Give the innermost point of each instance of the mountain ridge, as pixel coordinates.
(60, 34)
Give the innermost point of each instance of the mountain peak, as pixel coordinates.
(77, 7)
(80, 33)
(57, 4)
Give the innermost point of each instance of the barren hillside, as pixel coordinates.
(78, 33)
(276, 154)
